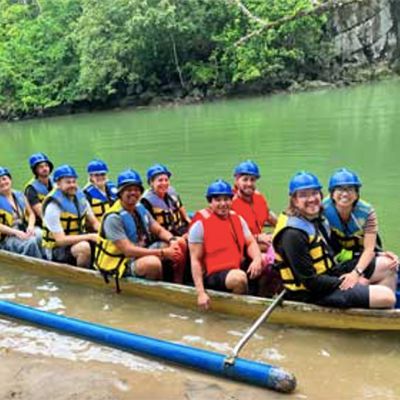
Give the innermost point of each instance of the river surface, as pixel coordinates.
(320, 131)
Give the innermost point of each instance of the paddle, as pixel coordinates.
(230, 359)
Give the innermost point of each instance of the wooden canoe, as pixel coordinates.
(290, 313)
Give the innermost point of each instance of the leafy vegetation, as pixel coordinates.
(57, 52)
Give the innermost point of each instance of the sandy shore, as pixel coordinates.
(30, 377)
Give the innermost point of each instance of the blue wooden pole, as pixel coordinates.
(248, 371)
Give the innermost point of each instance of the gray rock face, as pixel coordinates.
(366, 32)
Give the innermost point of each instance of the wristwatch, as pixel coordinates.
(358, 271)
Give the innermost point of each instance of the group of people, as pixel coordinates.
(323, 251)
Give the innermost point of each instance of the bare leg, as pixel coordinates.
(384, 274)
(149, 267)
(381, 297)
(82, 253)
(236, 280)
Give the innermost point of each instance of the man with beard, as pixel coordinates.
(250, 204)
(306, 264)
(40, 185)
(65, 214)
(217, 244)
(123, 246)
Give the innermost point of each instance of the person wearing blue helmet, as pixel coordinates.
(305, 257)
(249, 203)
(125, 238)
(217, 243)
(40, 185)
(100, 192)
(66, 216)
(163, 202)
(166, 207)
(17, 220)
(354, 232)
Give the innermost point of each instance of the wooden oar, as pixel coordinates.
(230, 359)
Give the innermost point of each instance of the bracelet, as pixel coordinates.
(358, 271)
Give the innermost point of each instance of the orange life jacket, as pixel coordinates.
(255, 213)
(200, 216)
(223, 243)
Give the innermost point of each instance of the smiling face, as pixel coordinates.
(98, 180)
(130, 195)
(5, 184)
(246, 185)
(160, 184)
(221, 205)
(345, 196)
(68, 185)
(308, 202)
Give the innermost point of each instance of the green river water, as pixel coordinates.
(319, 131)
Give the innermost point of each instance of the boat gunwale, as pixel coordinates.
(375, 319)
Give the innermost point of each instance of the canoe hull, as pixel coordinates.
(290, 313)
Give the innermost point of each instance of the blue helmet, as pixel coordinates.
(219, 188)
(37, 158)
(97, 167)
(303, 180)
(129, 177)
(247, 168)
(5, 171)
(64, 171)
(344, 177)
(157, 169)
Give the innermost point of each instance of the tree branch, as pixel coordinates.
(265, 25)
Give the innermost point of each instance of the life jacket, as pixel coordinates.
(350, 235)
(318, 249)
(223, 243)
(100, 202)
(41, 189)
(7, 211)
(166, 211)
(109, 260)
(255, 213)
(73, 214)
(200, 215)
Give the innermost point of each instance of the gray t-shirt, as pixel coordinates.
(51, 217)
(114, 228)
(196, 232)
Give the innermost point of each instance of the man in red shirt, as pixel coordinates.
(217, 245)
(253, 207)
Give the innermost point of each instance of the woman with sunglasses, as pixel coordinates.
(354, 233)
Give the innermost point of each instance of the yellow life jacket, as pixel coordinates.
(108, 258)
(100, 202)
(72, 218)
(318, 250)
(41, 189)
(7, 211)
(166, 211)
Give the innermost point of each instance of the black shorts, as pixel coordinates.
(216, 281)
(356, 297)
(63, 255)
(348, 266)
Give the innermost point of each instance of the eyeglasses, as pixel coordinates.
(347, 189)
(307, 194)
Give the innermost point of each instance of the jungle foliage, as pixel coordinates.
(55, 52)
